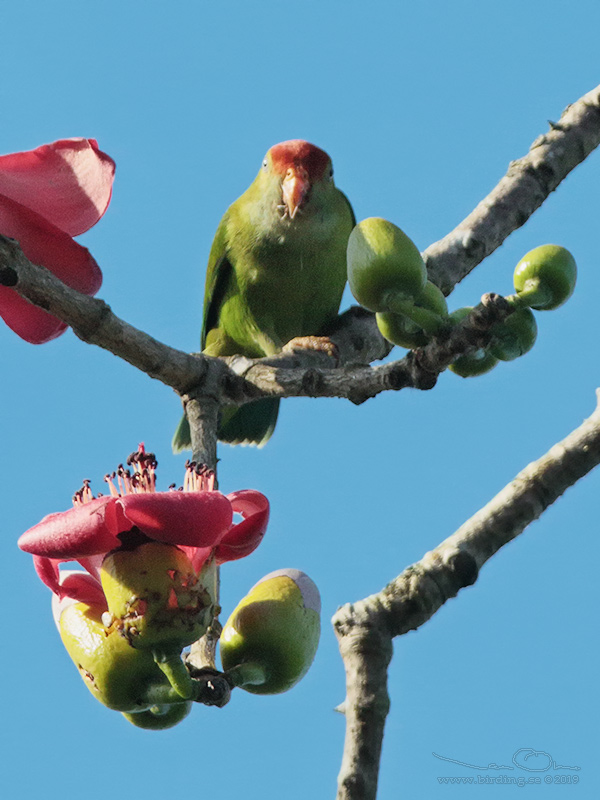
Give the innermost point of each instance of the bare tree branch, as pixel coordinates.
(236, 380)
(93, 321)
(282, 377)
(521, 191)
(365, 629)
(524, 188)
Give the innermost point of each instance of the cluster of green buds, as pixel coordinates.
(544, 279)
(388, 276)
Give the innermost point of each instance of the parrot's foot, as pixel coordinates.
(321, 343)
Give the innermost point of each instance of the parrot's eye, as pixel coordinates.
(330, 173)
(264, 164)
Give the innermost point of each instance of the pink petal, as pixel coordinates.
(68, 182)
(95, 594)
(80, 532)
(44, 244)
(47, 570)
(244, 537)
(196, 519)
(79, 586)
(28, 321)
(198, 555)
(92, 564)
(83, 588)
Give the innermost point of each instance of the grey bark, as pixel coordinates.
(365, 630)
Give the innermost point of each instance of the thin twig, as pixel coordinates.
(523, 189)
(93, 321)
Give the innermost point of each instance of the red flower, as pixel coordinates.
(47, 196)
(197, 519)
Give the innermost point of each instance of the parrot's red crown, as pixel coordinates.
(297, 152)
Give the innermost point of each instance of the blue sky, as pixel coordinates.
(421, 107)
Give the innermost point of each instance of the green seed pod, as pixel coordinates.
(155, 599)
(402, 331)
(471, 364)
(545, 277)
(384, 265)
(270, 640)
(159, 718)
(115, 673)
(515, 336)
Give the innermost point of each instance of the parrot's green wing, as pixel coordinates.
(219, 274)
(252, 423)
(350, 209)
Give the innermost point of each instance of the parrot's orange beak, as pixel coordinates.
(295, 189)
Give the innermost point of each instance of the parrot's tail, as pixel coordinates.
(252, 424)
(182, 440)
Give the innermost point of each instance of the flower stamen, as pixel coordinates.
(198, 478)
(108, 478)
(83, 495)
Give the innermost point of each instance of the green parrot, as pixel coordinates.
(276, 272)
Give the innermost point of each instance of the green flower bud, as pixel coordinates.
(270, 640)
(402, 331)
(545, 277)
(515, 336)
(159, 718)
(472, 364)
(385, 267)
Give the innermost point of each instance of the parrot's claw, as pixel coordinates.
(321, 343)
